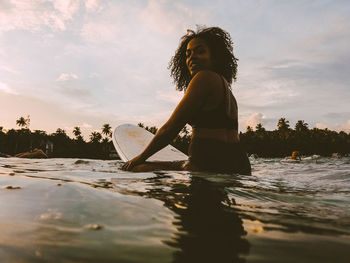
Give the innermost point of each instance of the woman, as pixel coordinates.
(203, 66)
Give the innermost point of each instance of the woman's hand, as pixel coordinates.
(132, 163)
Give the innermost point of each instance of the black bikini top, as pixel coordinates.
(225, 115)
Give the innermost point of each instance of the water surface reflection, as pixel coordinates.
(208, 229)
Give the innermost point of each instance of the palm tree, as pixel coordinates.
(152, 129)
(301, 126)
(105, 147)
(105, 140)
(61, 131)
(249, 129)
(21, 122)
(77, 133)
(27, 121)
(259, 128)
(107, 130)
(283, 128)
(283, 124)
(95, 137)
(185, 132)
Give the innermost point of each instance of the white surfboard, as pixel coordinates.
(130, 140)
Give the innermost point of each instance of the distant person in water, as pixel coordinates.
(35, 154)
(296, 156)
(204, 66)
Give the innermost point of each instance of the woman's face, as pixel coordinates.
(198, 56)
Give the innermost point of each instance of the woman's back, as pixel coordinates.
(215, 114)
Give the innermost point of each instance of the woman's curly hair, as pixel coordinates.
(220, 45)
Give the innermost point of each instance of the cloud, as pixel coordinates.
(93, 5)
(120, 20)
(8, 69)
(345, 127)
(156, 119)
(331, 34)
(337, 115)
(94, 75)
(76, 92)
(254, 119)
(66, 8)
(116, 26)
(171, 96)
(298, 70)
(171, 17)
(256, 91)
(67, 76)
(7, 89)
(35, 14)
(100, 31)
(285, 64)
(86, 125)
(321, 125)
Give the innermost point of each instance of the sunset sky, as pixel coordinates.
(85, 63)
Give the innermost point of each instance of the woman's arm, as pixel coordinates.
(200, 87)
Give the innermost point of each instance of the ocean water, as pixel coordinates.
(70, 210)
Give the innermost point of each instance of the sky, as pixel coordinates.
(70, 63)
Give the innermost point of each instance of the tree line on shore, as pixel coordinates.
(284, 140)
(280, 142)
(57, 144)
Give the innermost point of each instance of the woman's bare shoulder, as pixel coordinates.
(206, 79)
(207, 75)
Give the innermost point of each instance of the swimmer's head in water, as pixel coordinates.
(219, 45)
(296, 155)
